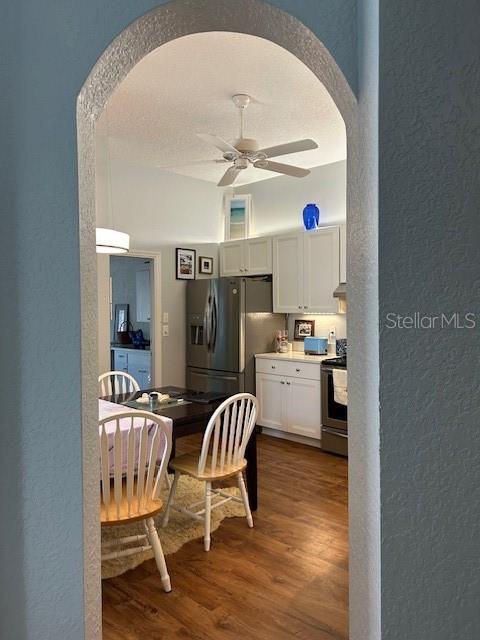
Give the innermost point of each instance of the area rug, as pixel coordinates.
(180, 529)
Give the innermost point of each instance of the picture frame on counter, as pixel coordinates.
(237, 213)
(303, 329)
(205, 265)
(185, 263)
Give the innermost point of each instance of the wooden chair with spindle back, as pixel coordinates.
(117, 382)
(135, 447)
(222, 456)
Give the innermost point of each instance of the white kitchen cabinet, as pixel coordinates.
(258, 256)
(143, 295)
(288, 273)
(289, 403)
(306, 271)
(321, 270)
(231, 258)
(303, 407)
(249, 257)
(271, 389)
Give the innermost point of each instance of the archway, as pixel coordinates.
(165, 23)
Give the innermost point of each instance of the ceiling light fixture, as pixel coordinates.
(109, 240)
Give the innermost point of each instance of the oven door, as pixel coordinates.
(334, 415)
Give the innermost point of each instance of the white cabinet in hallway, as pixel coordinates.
(137, 363)
(289, 395)
(250, 257)
(306, 271)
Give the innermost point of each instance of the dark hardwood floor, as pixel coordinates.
(285, 578)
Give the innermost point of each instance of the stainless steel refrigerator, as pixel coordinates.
(229, 320)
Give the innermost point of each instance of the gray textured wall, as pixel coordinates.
(429, 238)
(47, 51)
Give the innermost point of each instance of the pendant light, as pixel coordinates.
(108, 240)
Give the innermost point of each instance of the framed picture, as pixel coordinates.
(205, 265)
(185, 259)
(237, 216)
(304, 329)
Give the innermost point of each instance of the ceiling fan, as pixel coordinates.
(245, 152)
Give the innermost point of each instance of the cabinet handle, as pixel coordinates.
(282, 382)
(298, 370)
(288, 382)
(299, 306)
(305, 307)
(273, 366)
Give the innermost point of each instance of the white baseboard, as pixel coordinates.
(293, 437)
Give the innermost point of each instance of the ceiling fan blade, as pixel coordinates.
(220, 143)
(289, 147)
(229, 176)
(278, 167)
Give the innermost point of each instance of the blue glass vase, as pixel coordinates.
(311, 216)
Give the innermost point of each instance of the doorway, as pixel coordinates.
(117, 61)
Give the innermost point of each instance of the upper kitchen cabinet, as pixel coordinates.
(287, 273)
(306, 271)
(251, 257)
(321, 272)
(143, 295)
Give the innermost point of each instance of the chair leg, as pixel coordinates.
(246, 504)
(208, 514)
(158, 551)
(171, 495)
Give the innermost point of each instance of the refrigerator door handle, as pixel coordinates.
(206, 321)
(214, 323)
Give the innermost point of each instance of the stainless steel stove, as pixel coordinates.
(334, 415)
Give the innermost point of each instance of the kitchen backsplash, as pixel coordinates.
(323, 324)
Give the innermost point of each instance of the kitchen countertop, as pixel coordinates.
(115, 345)
(294, 356)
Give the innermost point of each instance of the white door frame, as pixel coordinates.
(258, 18)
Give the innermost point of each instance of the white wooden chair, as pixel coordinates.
(135, 447)
(222, 456)
(117, 382)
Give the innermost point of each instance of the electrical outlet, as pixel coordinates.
(165, 331)
(165, 317)
(332, 334)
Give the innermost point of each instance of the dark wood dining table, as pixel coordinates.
(191, 417)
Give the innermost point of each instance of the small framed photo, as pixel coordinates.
(304, 329)
(185, 259)
(237, 216)
(205, 265)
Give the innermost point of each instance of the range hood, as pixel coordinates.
(341, 291)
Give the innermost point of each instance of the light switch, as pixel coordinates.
(165, 317)
(165, 331)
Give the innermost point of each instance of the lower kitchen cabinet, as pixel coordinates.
(303, 410)
(270, 394)
(137, 363)
(289, 403)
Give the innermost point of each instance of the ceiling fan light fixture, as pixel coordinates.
(112, 241)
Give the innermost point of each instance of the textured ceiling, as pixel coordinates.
(185, 87)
